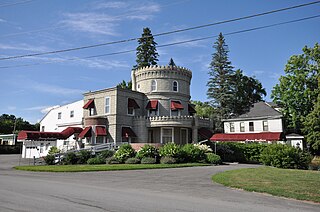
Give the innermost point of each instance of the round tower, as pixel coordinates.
(165, 84)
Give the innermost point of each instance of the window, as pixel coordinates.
(175, 112)
(100, 140)
(138, 86)
(92, 111)
(42, 129)
(175, 86)
(131, 111)
(107, 108)
(153, 113)
(71, 113)
(167, 136)
(241, 126)
(153, 85)
(59, 115)
(231, 127)
(265, 125)
(251, 126)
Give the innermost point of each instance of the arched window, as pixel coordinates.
(175, 86)
(153, 85)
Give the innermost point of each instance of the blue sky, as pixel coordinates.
(46, 25)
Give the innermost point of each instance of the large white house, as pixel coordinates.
(57, 128)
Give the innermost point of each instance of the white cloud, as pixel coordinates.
(91, 22)
(54, 89)
(2, 20)
(11, 108)
(101, 22)
(112, 4)
(47, 109)
(180, 38)
(23, 47)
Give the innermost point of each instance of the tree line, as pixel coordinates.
(11, 124)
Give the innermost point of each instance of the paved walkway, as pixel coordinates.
(183, 189)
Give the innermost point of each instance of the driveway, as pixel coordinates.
(183, 189)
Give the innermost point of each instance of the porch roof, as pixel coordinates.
(176, 105)
(89, 104)
(101, 131)
(85, 133)
(152, 105)
(133, 103)
(264, 136)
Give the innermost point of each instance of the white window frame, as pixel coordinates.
(59, 115)
(71, 113)
(153, 85)
(172, 134)
(92, 111)
(252, 126)
(107, 106)
(231, 125)
(174, 86)
(42, 128)
(263, 125)
(242, 127)
(187, 136)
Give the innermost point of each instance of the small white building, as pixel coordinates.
(262, 123)
(60, 127)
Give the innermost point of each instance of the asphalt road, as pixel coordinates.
(183, 189)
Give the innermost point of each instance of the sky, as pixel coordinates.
(31, 85)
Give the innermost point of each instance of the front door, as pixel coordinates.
(183, 136)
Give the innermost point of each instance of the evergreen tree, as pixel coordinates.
(125, 85)
(220, 88)
(146, 51)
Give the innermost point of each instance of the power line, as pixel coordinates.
(161, 34)
(170, 44)
(16, 3)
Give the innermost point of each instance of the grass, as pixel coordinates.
(290, 183)
(104, 167)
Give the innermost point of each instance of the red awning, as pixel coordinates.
(133, 103)
(176, 105)
(128, 132)
(264, 136)
(85, 133)
(89, 104)
(205, 133)
(66, 133)
(36, 135)
(101, 131)
(152, 105)
(191, 109)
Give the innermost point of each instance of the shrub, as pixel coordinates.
(70, 158)
(213, 158)
(252, 152)
(171, 150)
(49, 159)
(132, 161)
(112, 160)
(203, 147)
(284, 156)
(315, 163)
(124, 152)
(148, 160)
(192, 153)
(168, 160)
(83, 156)
(147, 151)
(53, 150)
(96, 160)
(106, 154)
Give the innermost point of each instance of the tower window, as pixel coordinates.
(175, 86)
(153, 85)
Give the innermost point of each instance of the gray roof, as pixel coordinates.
(260, 109)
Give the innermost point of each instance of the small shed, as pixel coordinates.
(295, 140)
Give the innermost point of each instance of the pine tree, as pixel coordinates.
(220, 81)
(146, 51)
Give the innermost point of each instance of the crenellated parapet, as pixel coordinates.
(162, 71)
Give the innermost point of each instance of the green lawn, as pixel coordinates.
(297, 184)
(113, 167)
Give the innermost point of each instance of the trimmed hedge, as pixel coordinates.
(168, 160)
(132, 161)
(284, 156)
(213, 158)
(96, 160)
(10, 149)
(192, 153)
(148, 160)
